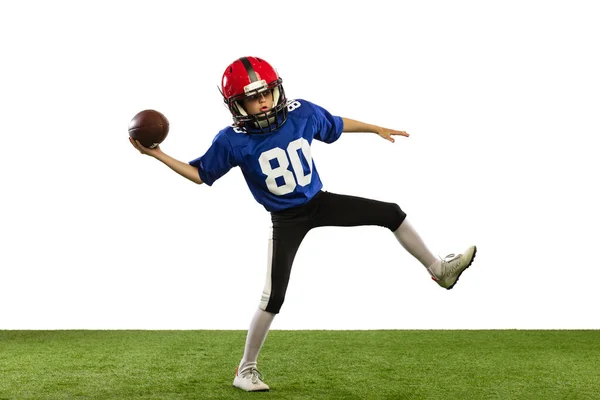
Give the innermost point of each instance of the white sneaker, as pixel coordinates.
(250, 381)
(452, 266)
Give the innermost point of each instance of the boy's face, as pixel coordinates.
(259, 103)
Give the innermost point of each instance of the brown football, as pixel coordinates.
(149, 127)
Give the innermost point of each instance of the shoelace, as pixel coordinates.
(256, 375)
(449, 257)
(448, 260)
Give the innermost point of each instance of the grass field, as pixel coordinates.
(495, 364)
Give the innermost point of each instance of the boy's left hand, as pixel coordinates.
(388, 133)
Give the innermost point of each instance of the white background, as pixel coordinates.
(501, 99)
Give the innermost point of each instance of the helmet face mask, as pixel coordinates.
(248, 77)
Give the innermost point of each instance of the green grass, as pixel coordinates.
(503, 364)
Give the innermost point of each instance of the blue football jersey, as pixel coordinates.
(277, 166)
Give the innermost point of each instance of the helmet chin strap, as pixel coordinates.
(264, 123)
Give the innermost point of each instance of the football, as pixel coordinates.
(149, 127)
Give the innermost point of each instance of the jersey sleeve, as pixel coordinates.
(217, 160)
(328, 127)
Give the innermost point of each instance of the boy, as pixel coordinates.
(270, 141)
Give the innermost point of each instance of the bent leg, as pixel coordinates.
(343, 210)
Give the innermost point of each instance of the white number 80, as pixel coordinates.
(282, 171)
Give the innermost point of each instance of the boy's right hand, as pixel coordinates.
(145, 150)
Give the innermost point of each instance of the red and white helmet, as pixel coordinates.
(248, 76)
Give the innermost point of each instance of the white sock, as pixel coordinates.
(259, 327)
(412, 242)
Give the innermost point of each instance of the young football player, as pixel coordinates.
(270, 141)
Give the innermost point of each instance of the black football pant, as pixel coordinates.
(325, 209)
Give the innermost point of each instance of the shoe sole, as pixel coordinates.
(461, 272)
(250, 391)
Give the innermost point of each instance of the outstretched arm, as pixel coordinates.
(351, 125)
(184, 169)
